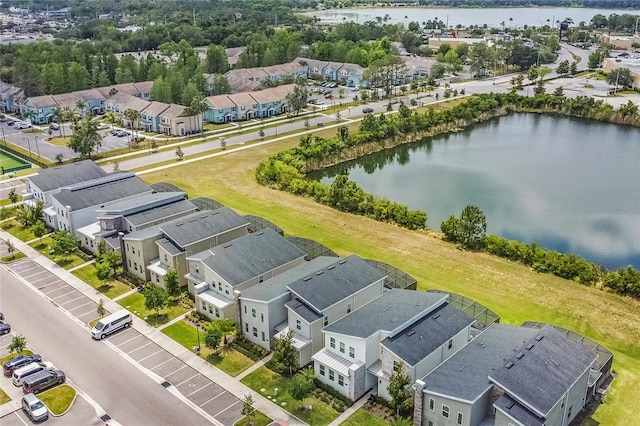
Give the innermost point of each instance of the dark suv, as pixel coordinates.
(367, 110)
(19, 361)
(43, 380)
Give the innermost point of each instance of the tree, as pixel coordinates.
(39, 230)
(285, 355)
(86, 137)
(104, 272)
(472, 227)
(133, 116)
(621, 77)
(573, 68)
(18, 344)
(179, 153)
(302, 384)
(401, 399)
(212, 339)
(111, 257)
(595, 59)
(30, 214)
(297, 99)
(11, 248)
(100, 309)
(81, 106)
(64, 243)
(155, 298)
(563, 67)
(261, 132)
(247, 408)
(216, 60)
(226, 327)
(13, 196)
(171, 282)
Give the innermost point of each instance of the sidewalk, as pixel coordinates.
(232, 385)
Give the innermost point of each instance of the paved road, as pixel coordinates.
(126, 393)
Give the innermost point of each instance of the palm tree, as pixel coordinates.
(199, 106)
(80, 106)
(226, 327)
(58, 113)
(30, 114)
(133, 116)
(112, 118)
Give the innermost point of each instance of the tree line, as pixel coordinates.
(287, 171)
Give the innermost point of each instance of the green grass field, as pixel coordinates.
(9, 162)
(111, 289)
(364, 418)
(135, 304)
(67, 262)
(58, 400)
(513, 291)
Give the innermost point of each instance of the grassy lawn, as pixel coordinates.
(69, 262)
(16, 229)
(7, 201)
(364, 418)
(231, 361)
(516, 293)
(258, 419)
(59, 399)
(135, 304)
(58, 140)
(15, 256)
(111, 289)
(263, 378)
(13, 355)
(4, 398)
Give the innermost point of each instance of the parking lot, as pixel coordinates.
(203, 392)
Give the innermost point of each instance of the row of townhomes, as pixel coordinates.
(248, 105)
(347, 319)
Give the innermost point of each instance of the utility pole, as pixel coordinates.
(194, 17)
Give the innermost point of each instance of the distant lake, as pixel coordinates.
(571, 185)
(531, 16)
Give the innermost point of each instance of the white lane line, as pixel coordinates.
(163, 363)
(149, 356)
(139, 347)
(198, 390)
(69, 301)
(127, 341)
(18, 416)
(90, 302)
(208, 401)
(64, 294)
(185, 381)
(175, 371)
(226, 408)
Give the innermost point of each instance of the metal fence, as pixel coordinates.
(204, 203)
(312, 248)
(257, 223)
(395, 278)
(482, 315)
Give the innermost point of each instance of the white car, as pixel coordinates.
(22, 125)
(103, 127)
(22, 373)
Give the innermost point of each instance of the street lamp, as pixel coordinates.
(37, 147)
(29, 146)
(198, 333)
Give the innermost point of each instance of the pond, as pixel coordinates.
(571, 185)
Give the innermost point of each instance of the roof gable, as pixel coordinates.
(68, 174)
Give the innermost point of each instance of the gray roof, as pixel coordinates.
(303, 310)
(201, 225)
(335, 283)
(102, 190)
(276, 286)
(161, 212)
(143, 234)
(517, 411)
(141, 203)
(168, 246)
(465, 374)
(68, 174)
(252, 256)
(429, 333)
(388, 312)
(555, 361)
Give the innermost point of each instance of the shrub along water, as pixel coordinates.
(287, 171)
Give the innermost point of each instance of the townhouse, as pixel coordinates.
(418, 66)
(149, 253)
(248, 105)
(75, 206)
(150, 116)
(9, 97)
(265, 303)
(508, 375)
(349, 74)
(176, 121)
(416, 329)
(217, 276)
(282, 72)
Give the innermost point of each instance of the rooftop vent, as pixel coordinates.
(519, 355)
(539, 337)
(259, 233)
(331, 267)
(204, 216)
(509, 365)
(179, 224)
(306, 278)
(529, 346)
(192, 220)
(319, 272)
(411, 332)
(297, 305)
(227, 245)
(342, 262)
(510, 405)
(436, 316)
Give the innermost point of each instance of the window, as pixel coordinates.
(226, 289)
(331, 375)
(450, 343)
(298, 324)
(204, 305)
(220, 286)
(396, 365)
(445, 411)
(261, 278)
(349, 308)
(352, 352)
(326, 321)
(246, 326)
(217, 313)
(321, 370)
(255, 332)
(332, 342)
(432, 404)
(197, 269)
(459, 421)
(430, 423)
(342, 347)
(569, 412)
(263, 337)
(245, 309)
(261, 316)
(253, 312)
(340, 380)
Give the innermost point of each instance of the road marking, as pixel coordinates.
(226, 408)
(79, 297)
(18, 416)
(184, 381)
(175, 371)
(84, 304)
(127, 341)
(163, 363)
(199, 389)
(140, 347)
(63, 294)
(206, 402)
(149, 356)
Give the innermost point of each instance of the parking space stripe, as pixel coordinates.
(64, 294)
(69, 301)
(208, 401)
(84, 304)
(127, 341)
(199, 389)
(18, 416)
(139, 347)
(185, 381)
(226, 408)
(149, 356)
(163, 363)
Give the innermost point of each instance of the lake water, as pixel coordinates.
(532, 16)
(571, 185)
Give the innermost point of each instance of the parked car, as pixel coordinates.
(367, 110)
(14, 363)
(333, 85)
(319, 102)
(34, 408)
(328, 96)
(103, 127)
(324, 83)
(4, 327)
(23, 372)
(22, 125)
(355, 89)
(54, 126)
(122, 133)
(1, 316)
(43, 380)
(11, 123)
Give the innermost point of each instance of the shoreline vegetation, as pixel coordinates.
(287, 171)
(496, 4)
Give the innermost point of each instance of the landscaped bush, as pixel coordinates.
(332, 395)
(248, 349)
(130, 279)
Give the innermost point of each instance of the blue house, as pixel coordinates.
(245, 106)
(42, 106)
(8, 97)
(150, 116)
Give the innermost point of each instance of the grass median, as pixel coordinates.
(59, 399)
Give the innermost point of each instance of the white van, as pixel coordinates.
(111, 323)
(29, 369)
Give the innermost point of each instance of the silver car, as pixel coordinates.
(34, 408)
